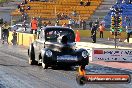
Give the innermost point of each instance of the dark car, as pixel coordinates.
(56, 46)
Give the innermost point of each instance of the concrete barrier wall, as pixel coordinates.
(23, 38)
(87, 33)
(10, 37)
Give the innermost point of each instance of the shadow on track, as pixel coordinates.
(12, 65)
(65, 68)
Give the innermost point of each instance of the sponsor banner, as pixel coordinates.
(104, 79)
(112, 54)
(108, 78)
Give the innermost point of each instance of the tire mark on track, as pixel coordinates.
(53, 83)
(23, 57)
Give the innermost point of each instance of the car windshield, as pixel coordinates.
(53, 35)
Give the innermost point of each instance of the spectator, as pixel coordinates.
(45, 24)
(93, 33)
(81, 3)
(24, 24)
(24, 16)
(49, 23)
(87, 3)
(34, 26)
(101, 30)
(14, 40)
(28, 8)
(129, 32)
(18, 6)
(64, 25)
(70, 22)
(123, 1)
(103, 23)
(76, 24)
(90, 24)
(5, 32)
(81, 21)
(130, 1)
(57, 22)
(62, 16)
(128, 21)
(97, 22)
(1, 20)
(39, 22)
(25, 1)
(83, 24)
(22, 9)
(74, 13)
(58, 16)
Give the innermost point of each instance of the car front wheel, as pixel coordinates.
(45, 66)
(81, 80)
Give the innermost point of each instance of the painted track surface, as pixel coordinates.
(15, 72)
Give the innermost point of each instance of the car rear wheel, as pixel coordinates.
(80, 80)
(45, 66)
(31, 59)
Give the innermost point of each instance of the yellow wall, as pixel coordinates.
(10, 37)
(87, 33)
(26, 39)
(23, 38)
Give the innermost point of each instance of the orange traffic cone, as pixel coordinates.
(77, 39)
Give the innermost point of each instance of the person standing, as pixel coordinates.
(5, 32)
(81, 3)
(90, 24)
(34, 26)
(93, 33)
(57, 22)
(129, 32)
(128, 21)
(64, 25)
(14, 40)
(97, 22)
(101, 30)
(39, 22)
(84, 25)
(88, 3)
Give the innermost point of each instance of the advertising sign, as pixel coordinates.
(112, 54)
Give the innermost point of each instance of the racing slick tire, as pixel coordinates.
(44, 66)
(81, 80)
(39, 60)
(31, 59)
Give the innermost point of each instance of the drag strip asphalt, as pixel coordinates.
(15, 72)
